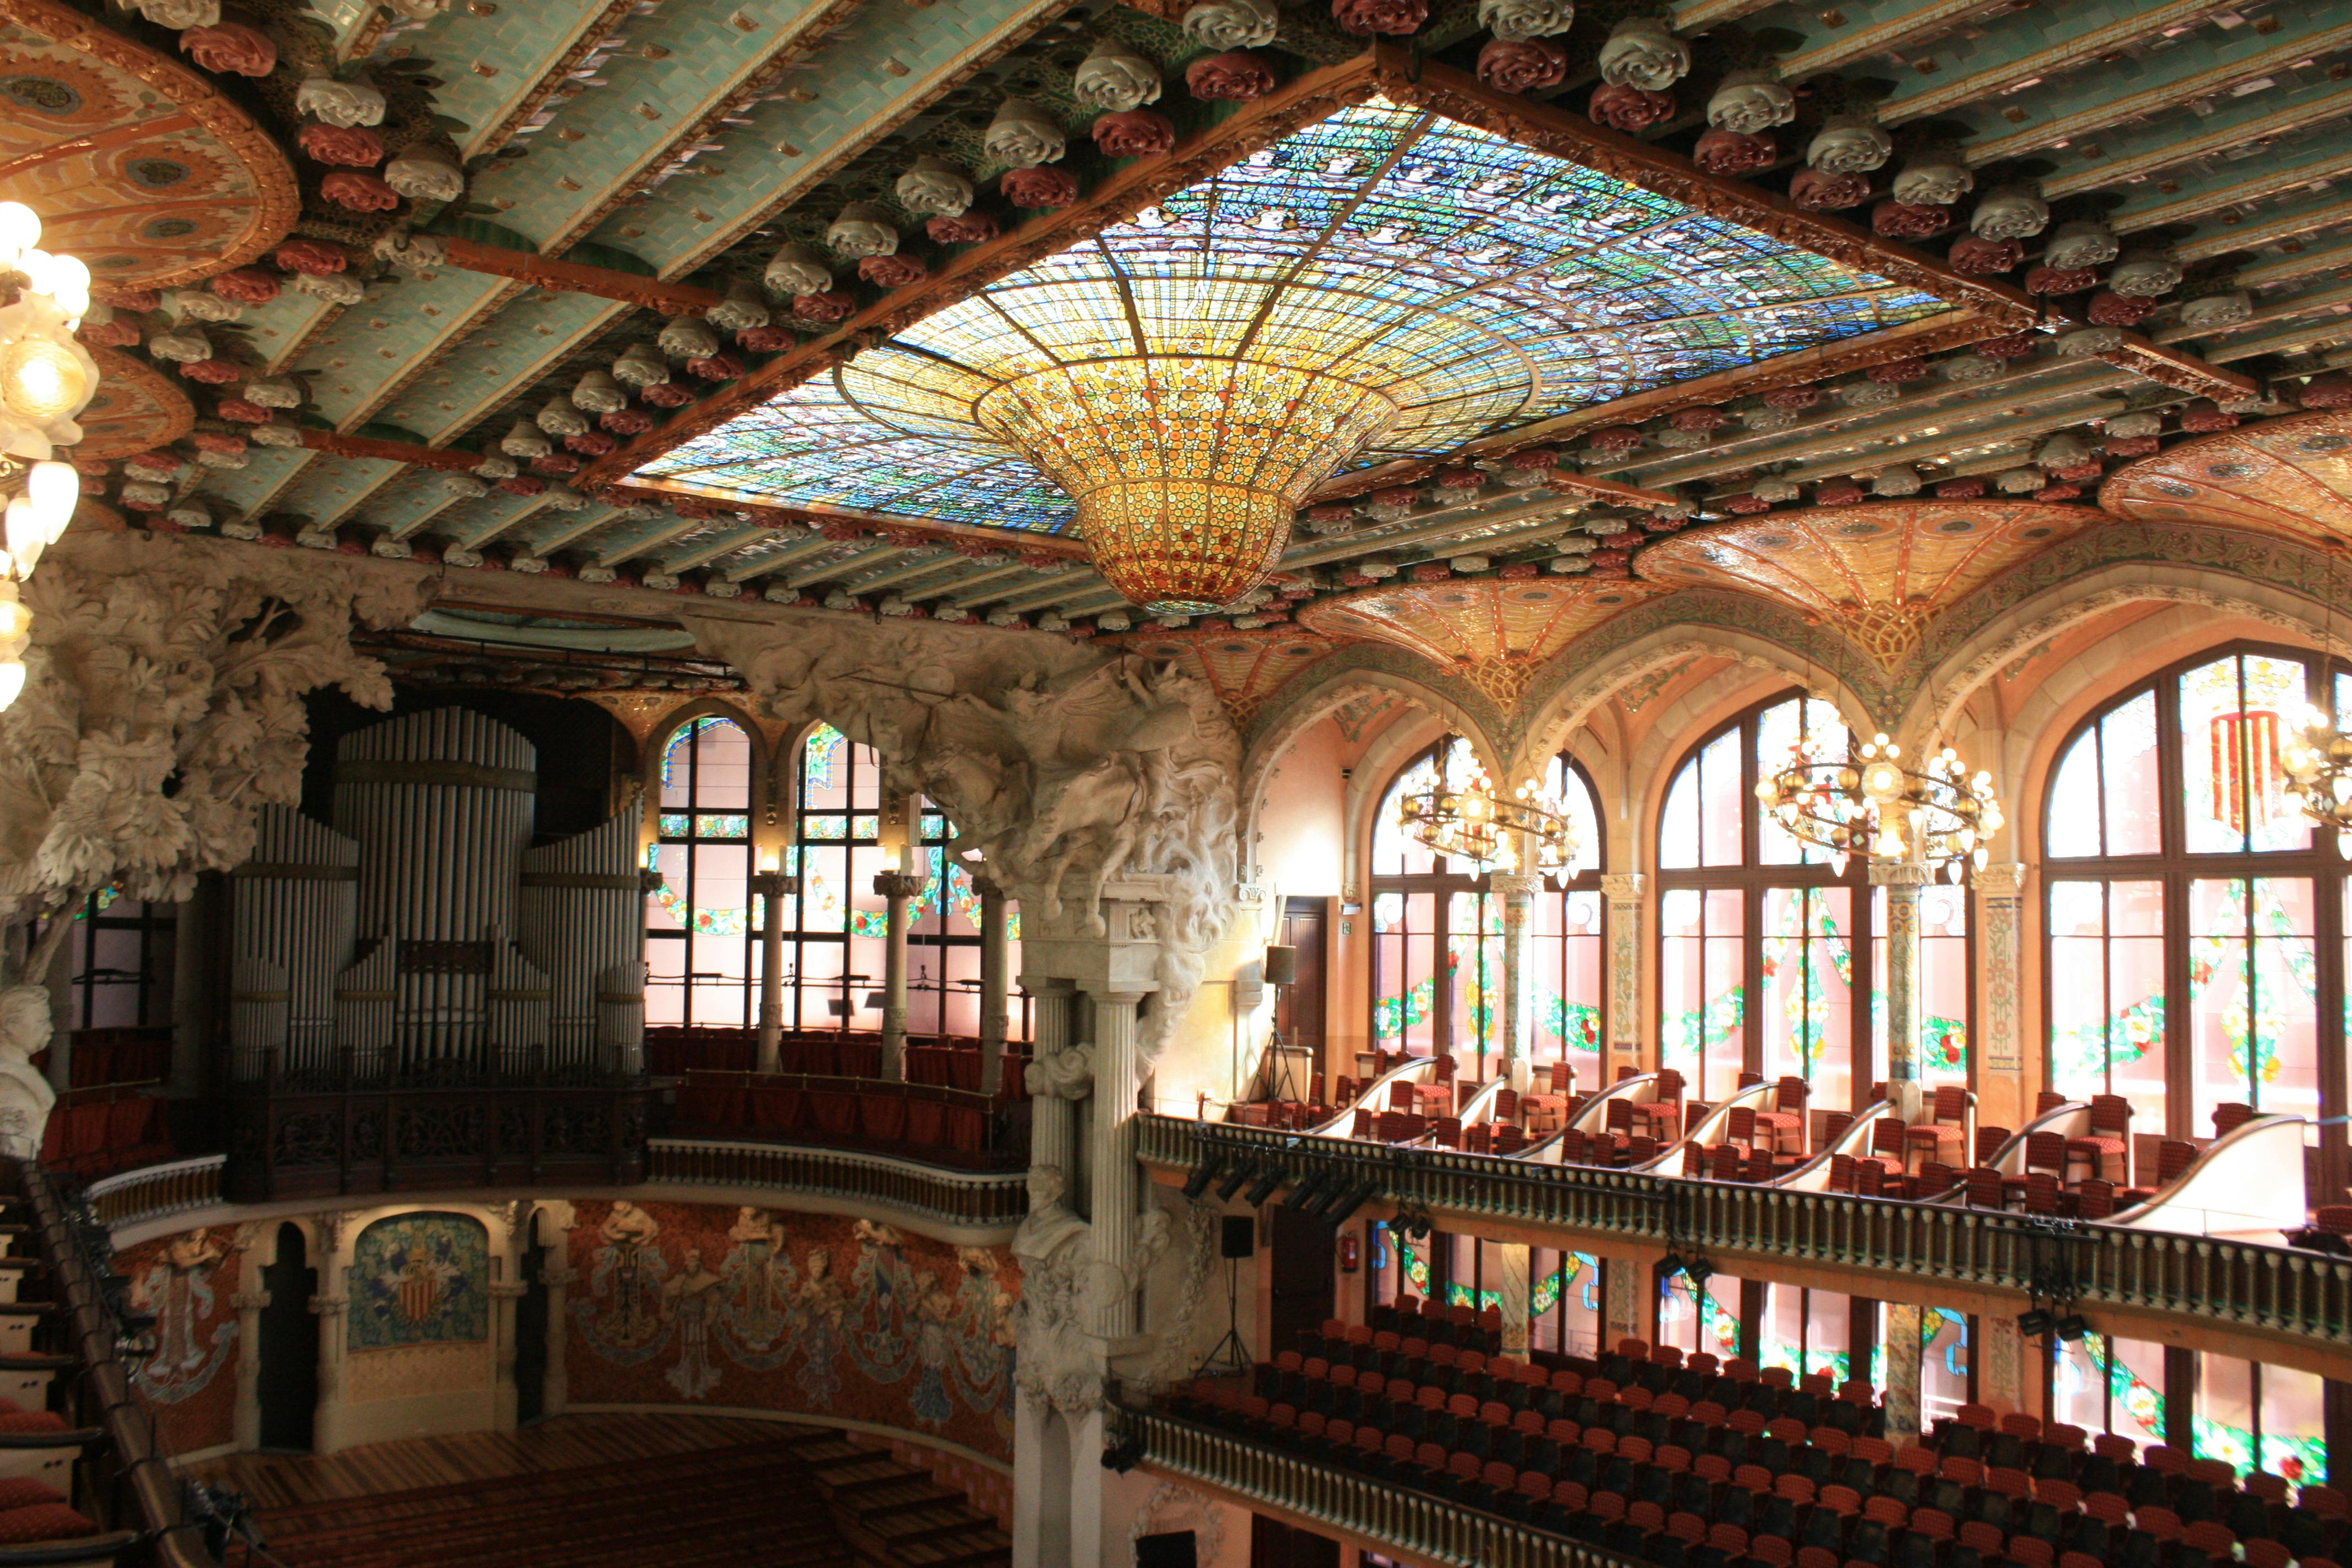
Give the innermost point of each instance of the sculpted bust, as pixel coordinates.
(25, 1096)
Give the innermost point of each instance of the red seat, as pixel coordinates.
(2104, 1152)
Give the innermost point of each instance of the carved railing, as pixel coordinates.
(2277, 1288)
(398, 1137)
(1371, 1512)
(154, 1191)
(929, 1191)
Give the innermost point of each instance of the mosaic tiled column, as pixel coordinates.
(1627, 955)
(995, 987)
(2000, 1365)
(1902, 880)
(1517, 891)
(896, 887)
(1999, 1041)
(1903, 1321)
(1513, 1286)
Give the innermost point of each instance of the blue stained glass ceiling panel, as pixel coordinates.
(1478, 284)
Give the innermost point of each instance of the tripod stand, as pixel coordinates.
(1229, 1355)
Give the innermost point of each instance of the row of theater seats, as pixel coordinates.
(1689, 1465)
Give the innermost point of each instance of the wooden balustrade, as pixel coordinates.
(961, 1198)
(2278, 1288)
(154, 1191)
(1386, 1517)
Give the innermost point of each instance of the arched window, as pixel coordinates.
(2195, 926)
(1759, 934)
(1437, 943)
(702, 932)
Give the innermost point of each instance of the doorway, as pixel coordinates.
(1298, 1006)
(1304, 1275)
(1274, 1544)
(287, 1388)
(530, 1330)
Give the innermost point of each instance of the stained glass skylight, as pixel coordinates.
(1476, 284)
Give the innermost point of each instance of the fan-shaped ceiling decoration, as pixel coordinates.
(1493, 631)
(1385, 284)
(2290, 476)
(1244, 667)
(1880, 573)
(136, 163)
(137, 408)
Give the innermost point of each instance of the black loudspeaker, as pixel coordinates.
(1170, 1548)
(1281, 966)
(1240, 1236)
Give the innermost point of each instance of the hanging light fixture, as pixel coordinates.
(1875, 805)
(45, 379)
(2317, 757)
(1528, 830)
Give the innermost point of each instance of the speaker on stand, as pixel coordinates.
(1236, 1240)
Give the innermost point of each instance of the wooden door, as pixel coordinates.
(1298, 1007)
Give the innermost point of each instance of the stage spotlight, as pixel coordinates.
(2035, 1323)
(1203, 1174)
(2071, 1328)
(1262, 1188)
(1346, 1200)
(1669, 1265)
(1123, 1455)
(1700, 1271)
(1234, 1179)
(1309, 1190)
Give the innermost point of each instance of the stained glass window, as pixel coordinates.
(123, 951)
(2193, 962)
(1476, 284)
(702, 920)
(1808, 1332)
(2104, 1384)
(1694, 1317)
(1759, 937)
(2259, 1417)
(1437, 936)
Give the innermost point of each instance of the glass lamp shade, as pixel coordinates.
(41, 381)
(1186, 470)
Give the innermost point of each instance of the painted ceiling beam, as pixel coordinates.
(2325, 160)
(856, 558)
(775, 560)
(822, 517)
(562, 277)
(2328, 211)
(2035, 44)
(1859, 37)
(2148, 150)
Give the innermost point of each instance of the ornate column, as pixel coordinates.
(248, 1305)
(557, 1393)
(1628, 955)
(1630, 1289)
(1903, 1321)
(504, 1294)
(334, 1314)
(1517, 891)
(772, 886)
(2001, 1366)
(896, 887)
(1118, 1179)
(2000, 1042)
(994, 983)
(1902, 880)
(1514, 1287)
(1052, 1115)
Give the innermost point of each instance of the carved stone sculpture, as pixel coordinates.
(25, 1096)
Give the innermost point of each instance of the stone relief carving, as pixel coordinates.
(1060, 1365)
(1173, 1506)
(25, 1096)
(1067, 768)
(1067, 1074)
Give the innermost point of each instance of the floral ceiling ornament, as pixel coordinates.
(2079, 246)
(1521, 19)
(687, 338)
(1750, 102)
(341, 103)
(1933, 180)
(1232, 24)
(2208, 312)
(862, 229)
(2008, 211)
(1641, 53)
(799, 269)
(424, 174)
(742, 308)
(2146, 275)
(178, 14)
(1022, 136)
(1115, 76)
(932, 187)
(1849, 144)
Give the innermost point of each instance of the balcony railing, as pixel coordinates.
(977, 1198)
(2278, 1288)
(154, 1191)
(1385, 1517)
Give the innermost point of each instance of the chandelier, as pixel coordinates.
(1528, 831)
(2319, 762)
(1874, 805)
(45, 379)
(1186, 469)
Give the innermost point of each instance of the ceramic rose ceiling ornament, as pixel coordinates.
(641, 365)
(1849, 144)
(1023, 136)
(1232, 24)
(2076, 246)
(1641, 53)
(2089, 342)
(743, 308)
(343, 104)
(1902, 479)
(2212, 310)
(932, 187)
(2146, 276)
(799, 269)
(1750, 102)
(1934, 181)
(598, 393)
(1115, 76)
(862, 229)
(2008, 211)
(1521, 19)
(558, 418)
(524, 441)
(426, 175)
(335, 288)
(178, 14)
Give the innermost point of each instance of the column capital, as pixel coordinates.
(250, 1300)
(1119, 998)
(330, 1306)
(1900, 874)
(508, 1291)
(2002, 880)
(556, 1278)
(1514, 884)
(983, 885)
(897, 884)
(1047, 986)
(1623, 884)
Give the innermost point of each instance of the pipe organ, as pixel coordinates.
(420, 937)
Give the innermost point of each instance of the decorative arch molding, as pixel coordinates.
(1317, 695)
(1378, 665)
(2293, 598)
(1369, 785)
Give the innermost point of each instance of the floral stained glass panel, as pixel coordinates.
(2233, 713)
(2106, 990)
(2253, 995)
